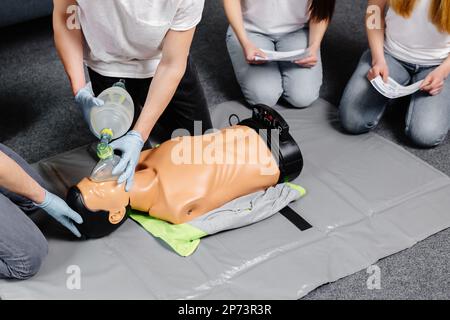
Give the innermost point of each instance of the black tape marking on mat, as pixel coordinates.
(295, 218)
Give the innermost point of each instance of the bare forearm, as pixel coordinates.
(161, 92)
(233, 11)
(376, 44)
(15, 179)
(316, 33)
(375, 34)
(69, 45)
(168, 75)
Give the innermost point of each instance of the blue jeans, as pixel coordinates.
(428, 117)
(267, 83)
(22, 245)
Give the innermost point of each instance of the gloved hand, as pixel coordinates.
(131, 145)
(58, 209)
(86, 101)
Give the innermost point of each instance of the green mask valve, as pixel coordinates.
(104, 150)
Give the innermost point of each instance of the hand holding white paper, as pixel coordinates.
(392, 89)
(287, 56)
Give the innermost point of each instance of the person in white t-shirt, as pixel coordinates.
(411, 44)
(144, 42)
(277, 25)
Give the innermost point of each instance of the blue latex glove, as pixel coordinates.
(131, 146)
(61, 212)
(86, 101)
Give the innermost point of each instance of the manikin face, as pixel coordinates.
(101, 205)
(106, 196)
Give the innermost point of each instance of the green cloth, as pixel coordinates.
(183, 238)
(300, 189)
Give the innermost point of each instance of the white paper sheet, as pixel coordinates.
(288, 56)
(392, 89)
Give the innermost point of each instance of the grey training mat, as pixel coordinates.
(367, 199)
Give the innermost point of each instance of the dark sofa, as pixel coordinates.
(16, 11)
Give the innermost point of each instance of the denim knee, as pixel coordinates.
(426, 135)
(301, 98)
(26, 262)
(259, 95)
(353, 122)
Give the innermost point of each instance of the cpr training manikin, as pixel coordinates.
(187, 177)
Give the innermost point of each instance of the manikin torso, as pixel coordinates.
(190, 176)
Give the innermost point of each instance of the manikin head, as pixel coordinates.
(102, 206)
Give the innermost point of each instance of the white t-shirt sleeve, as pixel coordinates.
(189, 14)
